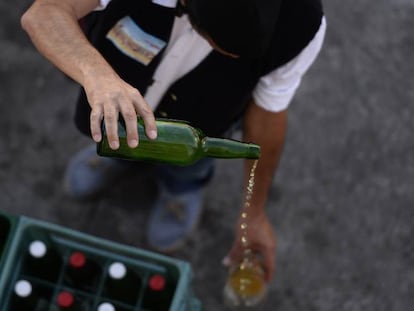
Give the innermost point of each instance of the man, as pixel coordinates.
(211, 62)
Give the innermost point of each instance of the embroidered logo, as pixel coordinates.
(131, 40)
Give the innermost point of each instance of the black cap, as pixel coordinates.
(242, 27)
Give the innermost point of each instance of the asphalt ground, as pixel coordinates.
(342, 198)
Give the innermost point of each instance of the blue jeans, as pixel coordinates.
(180, 179)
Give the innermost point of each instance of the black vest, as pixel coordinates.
(214, 94)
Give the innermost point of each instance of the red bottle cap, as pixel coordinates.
(65, 299)
(77, 259)
(157, 282)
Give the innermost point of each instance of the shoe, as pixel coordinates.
(172, 219)
(88, 174)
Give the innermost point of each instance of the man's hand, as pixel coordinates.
(261, 239)
(109, 97)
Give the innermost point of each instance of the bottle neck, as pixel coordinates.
(229, 148)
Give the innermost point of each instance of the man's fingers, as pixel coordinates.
(150, 126)
(147, 115)
(269, 262)
(130, 117)
(95, 123)
(111, 126)
(128, 103)
(235, 255)
(268, 254)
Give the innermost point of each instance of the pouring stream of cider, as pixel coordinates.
(245, 280)
(244, 215)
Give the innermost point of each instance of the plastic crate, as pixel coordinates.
(7, 225)
(16, 232)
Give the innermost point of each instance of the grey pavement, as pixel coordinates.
(342, 200)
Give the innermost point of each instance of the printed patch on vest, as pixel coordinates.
(131, 40)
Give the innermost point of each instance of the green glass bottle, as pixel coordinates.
(177, 143)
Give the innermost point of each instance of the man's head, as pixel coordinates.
(238, 27)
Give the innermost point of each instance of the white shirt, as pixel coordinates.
(186, 49)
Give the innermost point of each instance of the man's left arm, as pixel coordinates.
(265, 124)
(266, 129)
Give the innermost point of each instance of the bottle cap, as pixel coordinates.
(77, 259)
(65, 299)
(157, 282)
(106, 306)
(117, 270)
(37, 249)
(23, 288)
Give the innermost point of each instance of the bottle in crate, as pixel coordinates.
(43, 261)
(82, 272)
(158, 293)
(27, 297)
(114, 306)
(122, 283)
(23, 297)
(106, 306)
(66, 301)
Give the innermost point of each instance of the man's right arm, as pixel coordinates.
(54, 29)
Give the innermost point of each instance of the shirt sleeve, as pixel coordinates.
(102, 5)
(275, 90)
(167, 3)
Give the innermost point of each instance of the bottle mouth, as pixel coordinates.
(254, 151)
(23, 288)
(117, 270)
(65, 299)
(77, 260)
(106, 306)
(157, 282)
(37, 249)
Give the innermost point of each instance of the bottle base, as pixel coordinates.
(238, 302)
